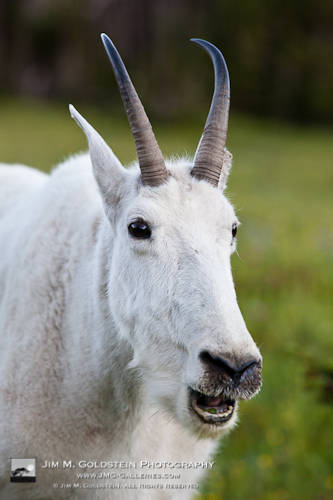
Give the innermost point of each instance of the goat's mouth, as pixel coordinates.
(212, 410)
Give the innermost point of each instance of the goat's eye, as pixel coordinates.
(234, 230)
(139, 229)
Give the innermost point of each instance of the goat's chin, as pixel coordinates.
(190, 420)
(167, 407)
(206, 430)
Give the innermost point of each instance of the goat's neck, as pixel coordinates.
(99, 378)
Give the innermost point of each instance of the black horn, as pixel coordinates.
(151, 161)
(210, 154)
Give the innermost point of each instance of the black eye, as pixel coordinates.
(234, 230)
(139, 229)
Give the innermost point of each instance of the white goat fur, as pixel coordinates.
(100, 333)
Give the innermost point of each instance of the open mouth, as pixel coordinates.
(212, 410)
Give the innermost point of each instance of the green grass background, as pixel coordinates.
(281, 185)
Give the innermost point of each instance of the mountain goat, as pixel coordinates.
(118, 310)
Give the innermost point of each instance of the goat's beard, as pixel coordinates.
(189, 420)
(165, 395)
(170, 402)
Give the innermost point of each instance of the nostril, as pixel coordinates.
(248, 365)
(222, 364)
(217, 362)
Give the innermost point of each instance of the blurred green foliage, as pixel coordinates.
(281, 185)
(279, 53)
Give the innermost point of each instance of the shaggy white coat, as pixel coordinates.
(100, 333)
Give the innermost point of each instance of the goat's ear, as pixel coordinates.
(226, 167)
(109, 172)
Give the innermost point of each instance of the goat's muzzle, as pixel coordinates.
(224, 381)
(234, 378)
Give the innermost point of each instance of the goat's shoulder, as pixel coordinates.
(16, 183)
(74, 179)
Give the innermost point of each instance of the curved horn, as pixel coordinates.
(151, 161)
(208, 160)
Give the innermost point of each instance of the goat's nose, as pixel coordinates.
(237, 369)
